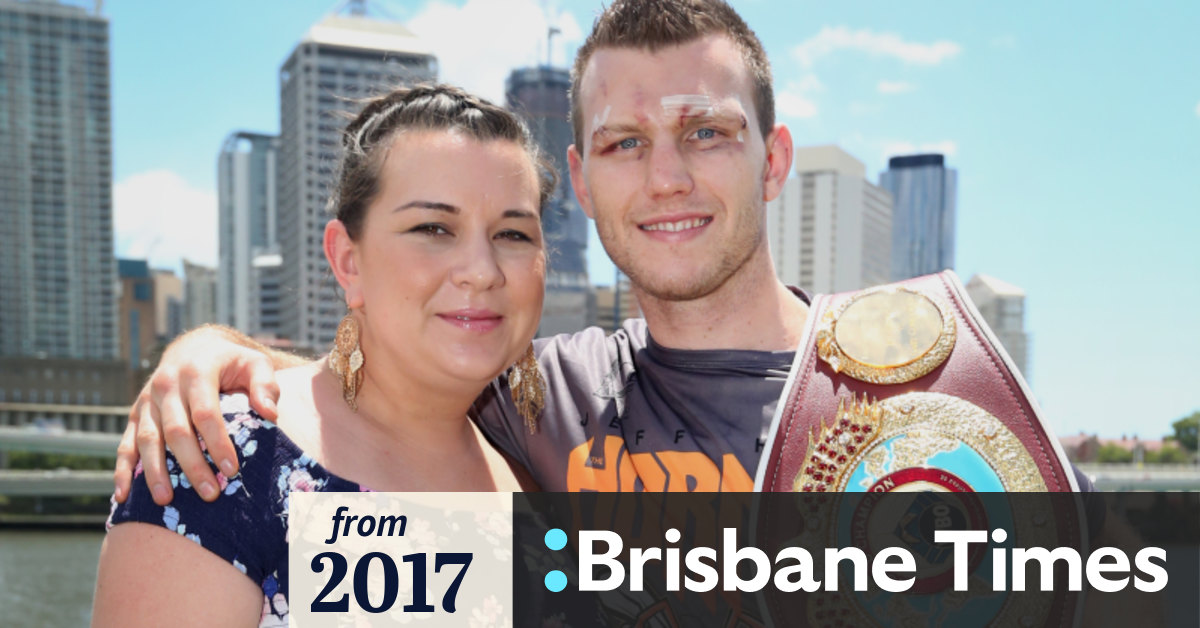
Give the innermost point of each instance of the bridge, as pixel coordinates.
(59, 441)
(57, 482)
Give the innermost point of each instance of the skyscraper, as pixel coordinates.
(246, 173)
(830, 230)
(924, 193)
(539, 95)
(58, 276)
(168, 304)
(340, 59)
(246, 182)
(136, 307)
(199, 295)
(1002, 305)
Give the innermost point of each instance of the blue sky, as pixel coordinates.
(1075, 131)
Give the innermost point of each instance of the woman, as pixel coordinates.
(437, 245)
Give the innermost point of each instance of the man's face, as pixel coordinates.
(672, 166)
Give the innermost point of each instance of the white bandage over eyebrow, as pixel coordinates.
(599, 119)
(679, 101)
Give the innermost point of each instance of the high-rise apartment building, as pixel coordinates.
(199, 295)
(246, 180)
(168, 304)
(924, 193)
(830, 230)
(340, 59)
(539, 95)
(58, 276)
(137, 312)
(265, 317)
(1002, 305)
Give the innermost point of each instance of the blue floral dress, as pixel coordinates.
(247, 525)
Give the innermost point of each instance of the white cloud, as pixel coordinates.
(948, 148)
(794, 101)
(832, 39)
(479, 43)
(809, 83)
(795, 105)
(159, 216)
(894, 87)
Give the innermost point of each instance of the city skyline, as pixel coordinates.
(1073, 184)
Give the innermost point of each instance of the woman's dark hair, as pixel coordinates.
(426, 107)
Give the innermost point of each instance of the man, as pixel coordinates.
(676, 154)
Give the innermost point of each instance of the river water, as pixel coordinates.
(47, 578)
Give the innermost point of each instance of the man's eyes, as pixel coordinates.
(704, 133)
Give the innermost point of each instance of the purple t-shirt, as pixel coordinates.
(625, 413)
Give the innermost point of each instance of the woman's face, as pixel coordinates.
(450, 260)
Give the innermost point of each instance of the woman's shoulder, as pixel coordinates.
(270, 458)
(235, 408)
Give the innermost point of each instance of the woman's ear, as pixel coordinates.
(342, 253)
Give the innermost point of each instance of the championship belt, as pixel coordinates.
(903, 388)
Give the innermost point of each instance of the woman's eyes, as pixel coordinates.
(434, 229)
(430, 229)
(514, 235)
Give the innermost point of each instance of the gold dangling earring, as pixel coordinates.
(346, 360)
(528, 389)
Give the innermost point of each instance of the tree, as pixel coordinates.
(1167, 455)
(1187, 431)
(1114, 453)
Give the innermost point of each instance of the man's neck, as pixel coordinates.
(752, 310)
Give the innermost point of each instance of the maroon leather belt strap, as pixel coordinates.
(967, 369)
(904, 388)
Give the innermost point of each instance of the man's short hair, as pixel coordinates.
(656, 24)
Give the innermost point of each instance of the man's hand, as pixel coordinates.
(182, 394)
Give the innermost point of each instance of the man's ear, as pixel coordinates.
(575, 165)
(779, 161)
(342, 253)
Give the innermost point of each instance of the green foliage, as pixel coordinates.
(1167, 455)
(1187, 431)
(1113, 453)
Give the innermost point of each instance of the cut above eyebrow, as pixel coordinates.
(733, 119)
(615, 128)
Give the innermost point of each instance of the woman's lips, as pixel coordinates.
(472, 320)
